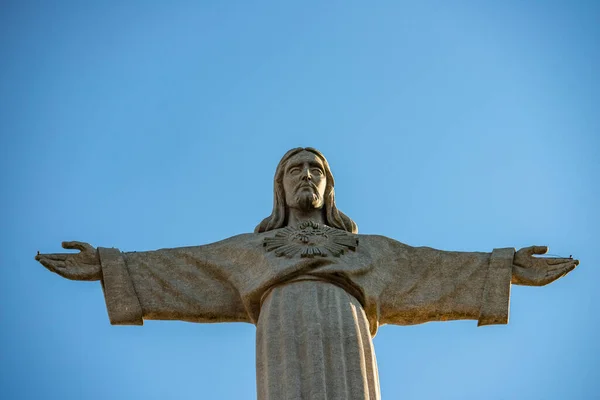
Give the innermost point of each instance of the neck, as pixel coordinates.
(297, 216)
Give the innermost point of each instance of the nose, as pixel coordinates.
(306, 175)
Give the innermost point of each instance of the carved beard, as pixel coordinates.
(308, 200)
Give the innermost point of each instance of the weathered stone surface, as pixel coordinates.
(316, 290)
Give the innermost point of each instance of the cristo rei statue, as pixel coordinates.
(316, 290)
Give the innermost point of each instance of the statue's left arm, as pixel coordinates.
(424, 284)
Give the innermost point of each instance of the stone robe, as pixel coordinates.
(316, 316)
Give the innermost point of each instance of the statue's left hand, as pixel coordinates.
(539, 271)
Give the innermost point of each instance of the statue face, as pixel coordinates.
(304, 181)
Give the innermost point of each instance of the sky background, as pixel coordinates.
(152, 124)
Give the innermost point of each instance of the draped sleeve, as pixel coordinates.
(421, 284)
(190, 284)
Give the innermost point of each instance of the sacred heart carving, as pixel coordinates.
(310, 239)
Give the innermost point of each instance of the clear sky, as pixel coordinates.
(153, 124)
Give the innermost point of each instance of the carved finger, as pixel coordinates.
(55, 256)
(564, 265)
(555, 261)
(567, 267)
(75, 245)
(54, 266)
(551, 276)
(537, 250)
(40, 256)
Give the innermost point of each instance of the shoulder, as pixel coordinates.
(379, 239)
(243, 239)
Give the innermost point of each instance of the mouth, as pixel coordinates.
(303, 187)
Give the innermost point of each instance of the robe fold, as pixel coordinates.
(315, 317)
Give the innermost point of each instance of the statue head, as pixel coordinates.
(320, 196)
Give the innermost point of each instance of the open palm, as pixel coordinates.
(538, 271)
(82, 266)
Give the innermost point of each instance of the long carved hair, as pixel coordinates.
(279, 217)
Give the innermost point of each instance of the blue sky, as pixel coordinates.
(148, 125)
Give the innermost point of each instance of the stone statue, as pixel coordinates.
(315, 289)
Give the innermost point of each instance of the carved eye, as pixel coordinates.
(294, 171)
(316, 171)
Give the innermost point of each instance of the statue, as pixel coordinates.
(316, 290)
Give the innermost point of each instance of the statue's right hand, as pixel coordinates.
(82, 266)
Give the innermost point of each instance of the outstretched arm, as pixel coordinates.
(188, 284)
(425, 284)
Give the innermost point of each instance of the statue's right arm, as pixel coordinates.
(189, 284)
